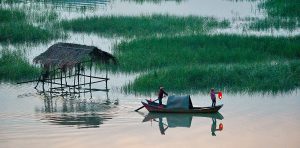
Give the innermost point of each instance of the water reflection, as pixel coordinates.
(166, 121)
(76, 112)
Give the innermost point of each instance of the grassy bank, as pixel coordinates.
(273, 77)
(155, 53)
(15, 67)
(14, 28)
(143, 25)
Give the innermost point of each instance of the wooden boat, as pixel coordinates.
(154, 107)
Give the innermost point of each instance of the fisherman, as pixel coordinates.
(161, 95)
(213, 97)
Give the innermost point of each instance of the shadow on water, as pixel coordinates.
(76, 112)
(182, 120)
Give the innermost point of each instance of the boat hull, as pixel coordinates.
(154, 108)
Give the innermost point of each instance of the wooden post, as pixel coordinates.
(61, 80)
(74, 86)
(78, 74)
(106, 78)
(91, 64)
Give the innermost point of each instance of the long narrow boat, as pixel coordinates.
(154, 107)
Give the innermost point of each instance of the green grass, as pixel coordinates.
(274, 23)
(24, 32)
(281, 14)
(155, 53)
(130, 26)
(15, 67)
(14, 28)
(11, 15)
(273, 78)
(282, 8)
(197, 63)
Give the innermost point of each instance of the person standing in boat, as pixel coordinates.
(161, 94)
(213, 97)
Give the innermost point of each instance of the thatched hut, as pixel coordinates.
(61, 58)
(62, 55)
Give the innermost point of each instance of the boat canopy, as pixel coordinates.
(179, 102)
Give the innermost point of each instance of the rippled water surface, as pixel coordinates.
(31, 120)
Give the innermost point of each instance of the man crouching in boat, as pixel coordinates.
(161, 95)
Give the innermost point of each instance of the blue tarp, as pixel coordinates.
(179, 102)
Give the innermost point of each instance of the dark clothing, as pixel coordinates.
(213, 104)
(161, 95)
(213, 98)
(213, 95)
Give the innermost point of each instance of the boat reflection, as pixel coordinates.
(77, 113)
(182, 120)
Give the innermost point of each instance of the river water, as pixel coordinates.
(30, 120)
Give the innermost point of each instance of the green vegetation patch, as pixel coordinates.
(11, 15)
(281, 14)
(143, 25)
(274, 23)
(282, 8)
(15, 67)
(15, 29)
(274, 77)
(155, 53)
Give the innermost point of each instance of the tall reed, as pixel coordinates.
(15, 67)
(143, 25)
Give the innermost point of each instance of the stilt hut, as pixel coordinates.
(64, 61)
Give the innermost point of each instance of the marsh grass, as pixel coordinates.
(281, 14)
(282, 8)
(275, 23)
(155, 53)
(14, 28)
(11, 15)
(130, 26)
(15, 67)
(273, 78)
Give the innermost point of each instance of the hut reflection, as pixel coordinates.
(77, 113)
(182, 120)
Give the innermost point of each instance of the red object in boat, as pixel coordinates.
(220, 96)
(221, 126)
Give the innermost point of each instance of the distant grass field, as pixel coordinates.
(15, 67)
(155, 53)
(129, 26)
(14, 28)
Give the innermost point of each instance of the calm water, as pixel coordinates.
(29, 120)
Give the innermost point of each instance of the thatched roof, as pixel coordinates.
(68, 55)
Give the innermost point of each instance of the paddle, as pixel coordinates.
(143, 106)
